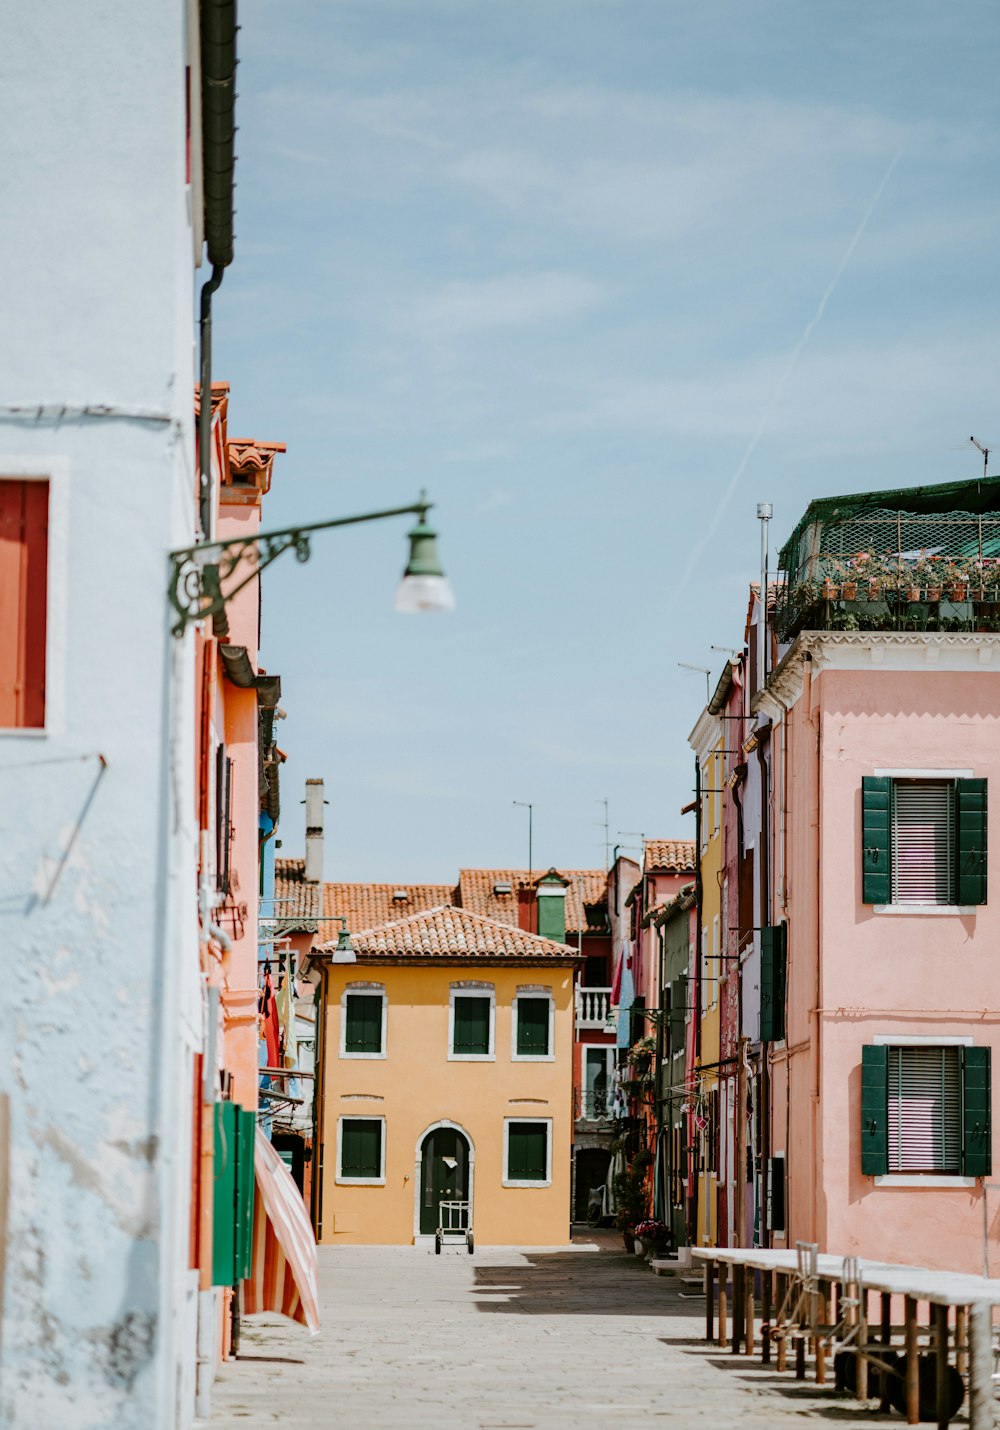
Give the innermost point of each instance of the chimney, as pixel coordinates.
(314, 831)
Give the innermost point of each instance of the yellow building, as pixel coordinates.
(444, 1073)
(707, 739)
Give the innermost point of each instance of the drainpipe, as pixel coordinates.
(206, 504)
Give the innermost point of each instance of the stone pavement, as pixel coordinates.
(506, 1340)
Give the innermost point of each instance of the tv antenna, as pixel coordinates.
(700, 670)
(986, 455)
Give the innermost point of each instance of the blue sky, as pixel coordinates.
(555, 260)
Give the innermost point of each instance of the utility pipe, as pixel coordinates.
(206, 501)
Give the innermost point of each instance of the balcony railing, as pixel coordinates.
(592, 1007)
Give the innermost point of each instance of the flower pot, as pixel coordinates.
(850, 590)
(913, 593)
(957, 591)
(640, 1246)
(829, 590)
(873, 590)
(933, 593)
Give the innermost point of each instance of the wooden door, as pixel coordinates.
(444, 1174)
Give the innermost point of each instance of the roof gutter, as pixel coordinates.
(218, 109)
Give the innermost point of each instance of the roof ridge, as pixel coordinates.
(422, 915)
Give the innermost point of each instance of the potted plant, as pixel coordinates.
(654, 1235)
(927, 572)
(956, 579)
(869, 569)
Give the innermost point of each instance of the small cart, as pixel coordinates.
(455, 1226)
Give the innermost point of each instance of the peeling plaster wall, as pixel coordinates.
(101, 1011)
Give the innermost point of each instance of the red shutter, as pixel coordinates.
(24, 522)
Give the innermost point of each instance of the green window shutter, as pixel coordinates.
(224, 1195)
(970, 800)
(363, 1033)
(977, 1139)
(532, 1027)
(472, 1025)
(773, 978)
(527, 1151)
(361, 1147)
(876, 859)
(246, 1132)
(678, 1014)
(637, 1020)
(874, 1110)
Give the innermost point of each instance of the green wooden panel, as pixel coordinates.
(970, 801)
(773, 978)
(224, 1195)
(533, 1027)
(977, 1132)
(246, 1132)
(442, 1180)
(472, 1025)
(361, 1147)
(876, 863)
(637, 1020)
(527, 1151)
(363, 1031)
(874, 1110)
(552, 915)
(678, 1014)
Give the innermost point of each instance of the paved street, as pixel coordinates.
(504, 1340)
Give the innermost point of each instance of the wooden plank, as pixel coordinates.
(862, 1315)
(709, 1300)
(941, 1364)
(886, 1339)
(766, 1290)
(739, 1307)
(723, 1308)
(782, 1361)
(912, 1363)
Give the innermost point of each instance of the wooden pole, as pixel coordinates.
(981, 1413)
(739, 1307)
(750, 1312)
(766, 1288)
(862, 1391)
(782, 1324)
(961, 1340)
(884, 1402)
(941, 1364)
(818, 1304)
(912, 1364)
(800, 1357)
(723, 1307)
(709, 1300)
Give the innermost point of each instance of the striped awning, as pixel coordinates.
(285, 1271)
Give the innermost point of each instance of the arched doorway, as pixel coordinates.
(445, 1161)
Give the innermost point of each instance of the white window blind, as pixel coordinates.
(923, 841)
(925, 1110)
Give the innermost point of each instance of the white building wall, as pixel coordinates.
(101, 1010)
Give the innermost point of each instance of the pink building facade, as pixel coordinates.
(884, 747)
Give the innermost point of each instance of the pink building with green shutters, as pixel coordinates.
(880, 977)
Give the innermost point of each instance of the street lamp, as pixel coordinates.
(344, 952)
(204, 578)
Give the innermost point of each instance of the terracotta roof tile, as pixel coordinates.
(450, 933)
(365, 906)
(476, 892)
(670, 854)
(294, 897)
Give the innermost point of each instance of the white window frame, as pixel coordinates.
(472, 988)
(610, 1051)
(547, 1121)
(55, 471)
(921, 910)
(954, 1180)
(369, 990)
(537, 992)
(343, 1181)
(716, 961)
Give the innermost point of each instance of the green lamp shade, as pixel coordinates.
(424, 586)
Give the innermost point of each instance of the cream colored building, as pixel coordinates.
(445, 1073)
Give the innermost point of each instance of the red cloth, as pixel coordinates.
(272, 1034)
(616, 982)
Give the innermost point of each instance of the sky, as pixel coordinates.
(600, 275)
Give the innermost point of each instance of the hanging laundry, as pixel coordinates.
(272, 1031)
(285, 1000)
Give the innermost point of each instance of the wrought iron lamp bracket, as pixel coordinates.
(204, 578)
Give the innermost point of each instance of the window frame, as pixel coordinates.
(933, 910)
(953, 1180)
(343, 1181)
(472, 988)
(610, 1056)
(55, 471)
(538, 994)
(364, 989)
(518, 1182)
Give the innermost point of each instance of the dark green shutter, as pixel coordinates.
(876, 796)
(874, 1110)
(977, 1151)
(472, 1025)
(527, 1147)
(532, 1027)
(224, 1194)
(773, 977)
(246, 1132)
(970, 801)
(776, 1189)
(678, 1015)
(637, 1020)
(364, 1023)
(361, 1147)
